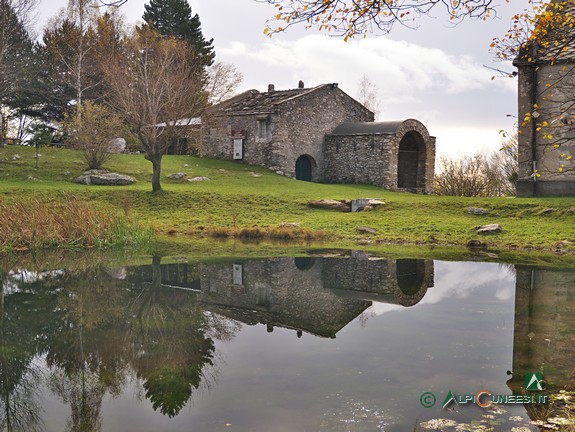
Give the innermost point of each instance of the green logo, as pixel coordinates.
(427, 400)
(448, 399)
(533, 381)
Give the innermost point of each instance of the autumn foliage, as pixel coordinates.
(359, 17)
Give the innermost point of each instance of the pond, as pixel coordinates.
(334, 343)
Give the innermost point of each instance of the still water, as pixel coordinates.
(343, 343)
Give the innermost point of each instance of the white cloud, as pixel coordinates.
(449, 277)
(451, 94)
(394, 66)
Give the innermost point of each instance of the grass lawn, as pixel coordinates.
(246, 197)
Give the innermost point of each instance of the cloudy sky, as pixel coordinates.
(435, 73)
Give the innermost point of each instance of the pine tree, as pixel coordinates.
(173, 18)
(16, 57)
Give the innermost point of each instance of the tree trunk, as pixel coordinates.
(157, 168)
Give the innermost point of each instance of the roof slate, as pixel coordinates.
(255, 102)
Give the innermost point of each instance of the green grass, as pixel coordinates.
(235, 201)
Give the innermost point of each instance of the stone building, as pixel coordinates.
(395, 155)
(320, 134)
(545, 107)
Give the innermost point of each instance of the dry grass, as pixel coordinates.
(267, 233)
(68, 223)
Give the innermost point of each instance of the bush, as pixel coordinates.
(90, 128)
(480, 175)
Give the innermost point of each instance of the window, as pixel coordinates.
(262, 129)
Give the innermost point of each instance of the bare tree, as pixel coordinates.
(153, 85)
(69, 41)
(349, 18)
(368, 95)
(494, 174)
(223, 81)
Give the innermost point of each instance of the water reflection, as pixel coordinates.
(544, 339)
(88, 335)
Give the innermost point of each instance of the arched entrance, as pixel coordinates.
(304, 263)
(410, 275)
(304, 167)
(411, 161)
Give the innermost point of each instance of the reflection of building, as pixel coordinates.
(316, 295)
(403, 281)
(544, 339)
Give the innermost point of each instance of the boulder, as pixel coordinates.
(571, 211)
(197, 179)
(16, 157)
(366, 230)
(117, 145)
(362, 204)
(329, 204)
(478, 211)
(104, 178)
(489, 229)
(475, 244)
(177, 176)
(562, 246)
(547, 211)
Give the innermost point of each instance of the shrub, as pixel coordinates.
(90, 128)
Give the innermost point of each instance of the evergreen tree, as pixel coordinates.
(173, 18)
(16, 59)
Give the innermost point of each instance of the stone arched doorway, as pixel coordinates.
(411, 162)
(304, 168)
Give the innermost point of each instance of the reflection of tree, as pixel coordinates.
(20, 322)
(84, 392)
(93, 330)
(169, 343)
(85, 350)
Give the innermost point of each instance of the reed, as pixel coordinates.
(71, 223)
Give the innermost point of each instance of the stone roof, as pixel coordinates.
(368, 128)
(554, 42)
(255, 102)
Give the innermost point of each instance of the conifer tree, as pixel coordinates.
(173, 18)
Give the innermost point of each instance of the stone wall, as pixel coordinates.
(362, 159)
(551, 88)
(304, 123)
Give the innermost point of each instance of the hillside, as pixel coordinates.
(252, 202)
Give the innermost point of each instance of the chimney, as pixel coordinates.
(271, 87)
(300, 84)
